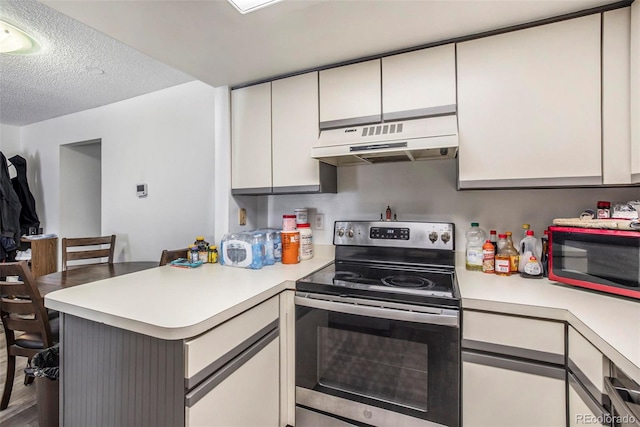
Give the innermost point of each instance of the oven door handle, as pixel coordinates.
(444, 318)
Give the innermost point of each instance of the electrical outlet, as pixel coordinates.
(319, 221)
(242, 216)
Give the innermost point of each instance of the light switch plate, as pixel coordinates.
(319, 222)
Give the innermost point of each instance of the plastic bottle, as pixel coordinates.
(494, 240)
(529, 247)
(544, 258)
(514, 257)
(306, 241)
(532, 268)
(525, 228)
(475, 239)
(194, 254)
(213, 254)
(488, 257)
(502, 264)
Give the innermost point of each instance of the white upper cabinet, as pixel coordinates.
(350, 95)
(251, 139)
(529, 107)
(295, 131)
(419, 83)
(616, 124)
(635, 92)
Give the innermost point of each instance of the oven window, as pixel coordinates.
(383, 368)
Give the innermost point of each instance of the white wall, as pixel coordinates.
(427, 191)
(164, 139)
(9, 140)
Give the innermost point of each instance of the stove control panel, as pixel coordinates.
(389, 233)
(404, 234)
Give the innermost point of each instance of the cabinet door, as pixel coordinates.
(502, 392)
(350, 95)
(616, 125)
(295, 131)
(583, 409)
(419, 84)
(529, 107)
(251, 139)
(287, 359)
(250, 396)
(635, 92)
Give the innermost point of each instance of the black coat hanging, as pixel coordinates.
(28, 215)
(9, 214)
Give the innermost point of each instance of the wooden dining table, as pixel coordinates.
(86, 274)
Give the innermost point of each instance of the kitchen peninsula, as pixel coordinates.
(171, 346)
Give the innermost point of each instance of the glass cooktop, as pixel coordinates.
(388, 282)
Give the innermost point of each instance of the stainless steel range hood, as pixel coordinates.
(409, 140)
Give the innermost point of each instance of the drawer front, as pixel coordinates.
(587, 363)
(518, 336)
(206, 349)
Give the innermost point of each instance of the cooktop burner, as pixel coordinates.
(404, 281)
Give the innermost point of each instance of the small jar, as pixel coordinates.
(604, 209)
(194, 254)
(213, 254)
(301, 216)
(288, 223)
(203, 248)
(306, 241)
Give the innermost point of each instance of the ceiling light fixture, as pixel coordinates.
(246, 6)
(15, 41)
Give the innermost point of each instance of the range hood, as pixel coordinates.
(408, 140)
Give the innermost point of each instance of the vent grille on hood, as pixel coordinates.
(409, 140)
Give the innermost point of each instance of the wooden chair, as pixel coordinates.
(88, 254)
(171, 255)
(27, 328)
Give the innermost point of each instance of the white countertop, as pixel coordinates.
(176, 303)
(611, 323)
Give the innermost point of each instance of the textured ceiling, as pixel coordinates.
(65, 76)
(210, 41)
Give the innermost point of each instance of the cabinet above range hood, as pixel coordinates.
(408, 140)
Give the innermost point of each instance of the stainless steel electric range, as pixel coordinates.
(378, 330)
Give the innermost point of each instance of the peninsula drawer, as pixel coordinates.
(526, 337)
(212, 350)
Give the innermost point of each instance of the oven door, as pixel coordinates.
(376, 363)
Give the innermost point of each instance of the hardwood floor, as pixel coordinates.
(22, 410)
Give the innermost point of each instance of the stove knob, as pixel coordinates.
(350, 233)
(340, 232)
(433, 236)
(445, 236)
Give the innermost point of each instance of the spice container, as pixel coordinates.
(604, 209)
(288, 223)
(301, 216)
(306, 241)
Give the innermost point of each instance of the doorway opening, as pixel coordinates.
(81, 189)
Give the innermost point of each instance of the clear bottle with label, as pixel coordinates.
(514, 256)
(475, 239)
(502, 266)
(529, 247)
(532, 268)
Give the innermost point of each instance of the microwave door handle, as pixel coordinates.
(631, 419)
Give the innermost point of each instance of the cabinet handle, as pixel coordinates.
(628, 418)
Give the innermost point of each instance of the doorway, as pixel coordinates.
(81, 189)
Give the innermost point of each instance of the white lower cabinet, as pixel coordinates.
(247, 397)
(233, 372)
(513, 371)
(583, 408)
(503, 392)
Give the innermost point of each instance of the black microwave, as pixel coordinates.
(598, 259)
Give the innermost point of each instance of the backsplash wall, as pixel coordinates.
(426, 191)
